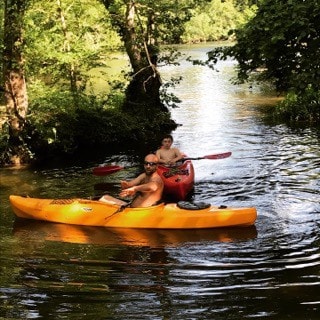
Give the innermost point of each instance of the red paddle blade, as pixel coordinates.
(218, 155)
(105, 170)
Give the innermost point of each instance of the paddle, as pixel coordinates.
(105, 170)
(211, 156)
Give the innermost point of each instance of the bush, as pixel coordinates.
(304, 107)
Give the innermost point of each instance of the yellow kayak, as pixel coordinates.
(162, 216)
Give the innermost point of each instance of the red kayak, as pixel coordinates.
(178, 180)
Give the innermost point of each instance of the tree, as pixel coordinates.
(213, 21)
(16, 98)
(143, 26)
(281, 44)
(57, 59)
(138, 38)
(66, 40)
(282, 41)
(1, 48)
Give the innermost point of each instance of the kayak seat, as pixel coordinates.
(193, 205)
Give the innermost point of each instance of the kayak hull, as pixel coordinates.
(97, 213)
(178, 181)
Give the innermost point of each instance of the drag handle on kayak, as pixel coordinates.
(211, 156)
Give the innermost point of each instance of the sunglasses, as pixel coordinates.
(146, 163)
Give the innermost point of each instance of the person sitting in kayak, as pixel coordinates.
(167, 154)
(146, 189)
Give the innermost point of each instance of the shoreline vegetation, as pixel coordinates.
(50, 58)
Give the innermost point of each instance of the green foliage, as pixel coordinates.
(77, 132)
(170, 16)
(280, 44)
(55, 128)
(296, 107)
(1, 42)
(215, 20)
(169, 99)
(4, 139)
(113, 130)
(56, 124)
(171, 24)
(65, 41)
(53, 50)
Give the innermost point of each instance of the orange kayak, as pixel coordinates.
(178, 181)
(162, 216)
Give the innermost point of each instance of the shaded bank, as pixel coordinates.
(91, 133)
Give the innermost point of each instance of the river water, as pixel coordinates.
(268, 271)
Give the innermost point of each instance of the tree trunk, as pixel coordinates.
(67, 49)
(143, 92)
(15, 86)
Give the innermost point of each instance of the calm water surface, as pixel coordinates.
(269, 271)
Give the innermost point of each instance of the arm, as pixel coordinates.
(134, 182)
(150, 186)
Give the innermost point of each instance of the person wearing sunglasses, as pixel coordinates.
(145, 190)
(167, 154)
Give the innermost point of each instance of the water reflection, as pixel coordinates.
(42, 231)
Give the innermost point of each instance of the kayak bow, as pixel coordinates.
(178, 181)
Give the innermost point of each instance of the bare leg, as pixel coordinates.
(108, 199)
